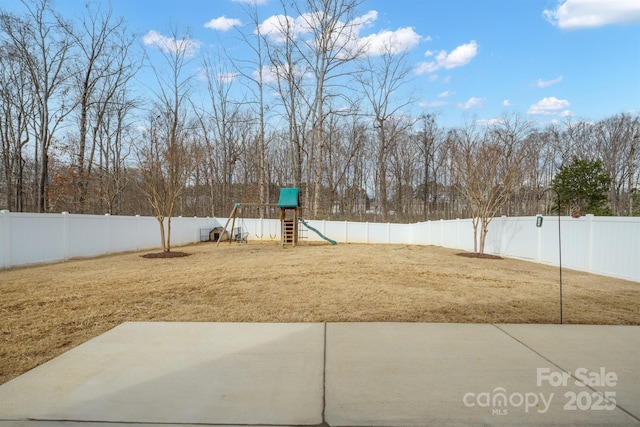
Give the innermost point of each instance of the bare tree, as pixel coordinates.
(166, 160)
(219, 124)
(429, 140)
(329, 47)
(115, 143)
(381, 78)
(16, 111)
(258, 79)
(289, 70)
(618, 139)
(41, 42)
(104, 66)
(487, 170)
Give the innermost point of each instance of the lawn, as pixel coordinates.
(47, 310)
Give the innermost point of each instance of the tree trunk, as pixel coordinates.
(162, 234)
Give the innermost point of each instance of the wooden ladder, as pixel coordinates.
(288, 232)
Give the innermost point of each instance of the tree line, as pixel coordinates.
(314, 109)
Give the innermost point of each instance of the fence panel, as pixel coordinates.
(615, 247)
(124, 233)
(603, 245)
(517, 237)
(31, 238)
(88, 235)
(34, 238)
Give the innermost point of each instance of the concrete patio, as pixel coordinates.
(337, 374)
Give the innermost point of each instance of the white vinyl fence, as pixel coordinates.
(603, 245)
(30, 238)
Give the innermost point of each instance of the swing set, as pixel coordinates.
(240, 234)
(290, 221)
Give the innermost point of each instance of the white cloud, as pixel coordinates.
(574, 14)
(506, 103)
(458, 57)
(227, 77)
(472, 102)
(171, 45)
(271, 73)
(400, 40)
(223, 23)
(446, 94)
(489, 122)
(550, 106)
(432, 104)
(278, 27)
(365, 20)
(546, 83)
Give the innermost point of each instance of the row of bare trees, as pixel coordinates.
(312, 106)
(65, 107)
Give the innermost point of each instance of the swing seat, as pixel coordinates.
(240, 236)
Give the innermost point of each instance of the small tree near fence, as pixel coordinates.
(169, 151)
(583, 186)
(487, 168)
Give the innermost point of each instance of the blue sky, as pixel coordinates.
(470, 59)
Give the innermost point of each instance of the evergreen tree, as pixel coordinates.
(582, 186)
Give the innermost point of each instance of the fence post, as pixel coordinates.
(137, 233)
(65, 236)
(346, 231)
(589, 233)
(503, 236)
(539, 241)
(366, 231)
(427, 239)
(5, 250)
(107, 242)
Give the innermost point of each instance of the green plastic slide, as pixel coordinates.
(333, 242)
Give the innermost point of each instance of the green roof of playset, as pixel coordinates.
(289, 198)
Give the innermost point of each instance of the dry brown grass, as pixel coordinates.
(47, 310)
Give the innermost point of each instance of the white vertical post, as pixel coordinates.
(261, 228)
(107, 217)
(388, 233)
(65, 236)
(346, 231)
(589, 232)
(539, 240)
(367, 232)
(503, 236)
(137, 233)
(5, 249)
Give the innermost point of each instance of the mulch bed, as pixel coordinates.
(478, 255)
(170, 254)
